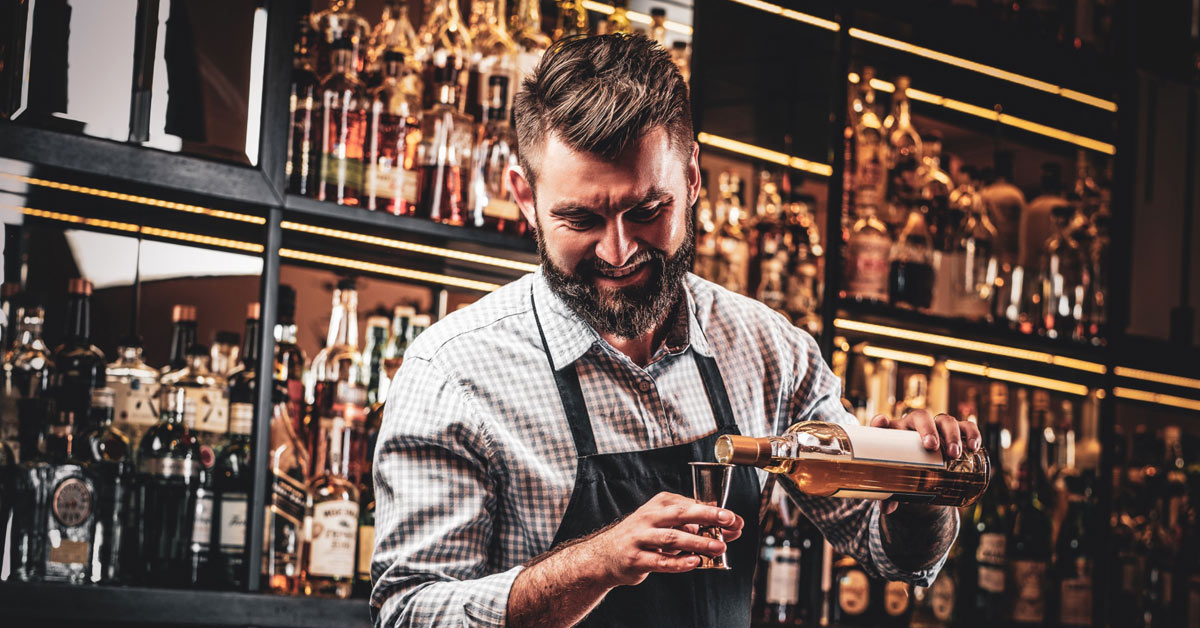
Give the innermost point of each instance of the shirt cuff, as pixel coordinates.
(484, 603)
(887, 569)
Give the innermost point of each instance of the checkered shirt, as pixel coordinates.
(475, 462)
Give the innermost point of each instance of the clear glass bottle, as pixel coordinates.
(868, 159)
(343, 129)
(493, 54)
(904, 157)
(1062, 280)
(340, 23)
(109, 453)
(28, 369)
(910, 272)
(444, 54)
(493, 205)
(733, 238)
(768, 250)
(972, 263)
(289, 358)
(329, 566)
(183, 336)
(393, 33)
(832, 460)
(224, 355)
(867, 251)
(398, 340)
(658, 26)
(232, 482)
(531, 41)
(287, 501)
(803, 297)
(1005, 203)
(336, 367)
(447, 139)
(210, 394)
(304, 108)
(572, 19)
(393, 136)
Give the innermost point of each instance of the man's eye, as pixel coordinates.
(581, 223)
(645, 214)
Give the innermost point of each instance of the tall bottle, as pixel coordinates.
(1029, 544)
(372, 357)
(341, 24)
(867, 251)
(493, 205)
(973, 266)
(169, 476)
(330, 563)
(572, 19)
(790, 567)
(1075, 556)
(27, 373)
(9, 291)
(80, 367)
(658, 26)
(444, 54)
(768, 250)
(289, 358)
(343, 128)
(398, 340)
(910, 272)
(287, 500)
(135, 387)
(232, 482)
(989, 522)
(71, 499)
(733, 238)
(833, 460)
(683, 60)
(338, 366)
(393, 135)
(1062, 280)
(393, 33)
(1006, 204)
(208, 392)
(803, 295)
(527, 33)
(304, 108)
(109, 452)
(868, 147)
(447, 138)
(243, 381)
(493, 54)
(183, 336)
(904, 153)
(366, 540)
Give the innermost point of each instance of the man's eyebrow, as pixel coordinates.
(572, 208)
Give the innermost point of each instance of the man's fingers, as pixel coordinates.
(680, 514)
(951, 436)
(924, 425)
(730, 535)
(970, 435)
(664, 563)
(880, 420)
(673, 539)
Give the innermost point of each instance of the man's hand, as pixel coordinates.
(943, 431)
(560, 587)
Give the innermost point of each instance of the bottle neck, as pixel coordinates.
(285, 330)
(335, 462)
(530, 12)
(79, 319)
(183, 336)
(343, 321)
(342, 62)
(60, 437)
(251, 342)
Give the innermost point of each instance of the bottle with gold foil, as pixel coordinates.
(343, 128)
(527, 33)
(572, 19)
(329, 565)
(854, 461)
(393, 136)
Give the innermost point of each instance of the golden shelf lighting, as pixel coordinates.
(1158, 378)
(934, 55)
(1160, 399)
(403, 245)
(970, 345)
(980, 370)
(764, 154)
(393, 271)
(168, 234)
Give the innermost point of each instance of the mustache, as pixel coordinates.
(593, 267)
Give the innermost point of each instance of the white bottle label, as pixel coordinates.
(1029, 578)
(233, 522)
(133, 402)
(990, 556)
(202, 522)
(241, 418)
(891, 446)
(943, 598)
(334, 534)
(854, 592)
(895, 598)
(366, 546)
(783, 576)
(212, 409)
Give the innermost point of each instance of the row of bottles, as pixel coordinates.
(121, 473)
(956, 241)
(417, 121)
(773, 254)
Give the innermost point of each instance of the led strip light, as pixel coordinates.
(995, 116)
(182, 236)
(1158, 378)
(906, 357)
(402, 245)
(134, 198)
(1164, 400)
(394, 271)
(933, 55)
(634, 16)
(970, 345)
(980, 370)
(764, 154)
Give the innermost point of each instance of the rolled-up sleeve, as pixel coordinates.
(435, 492)
(852, 526)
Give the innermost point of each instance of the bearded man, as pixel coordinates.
(532, 463)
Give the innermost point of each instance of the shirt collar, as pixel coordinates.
(569, 337)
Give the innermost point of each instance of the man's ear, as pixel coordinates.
(693, 173)
(522, 192)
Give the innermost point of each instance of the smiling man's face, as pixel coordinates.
(614, 236)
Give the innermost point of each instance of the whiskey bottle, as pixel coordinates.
(493, 55)
(329, 566)
(1062, 280)
(1074, 556)
(393, 135)
(733, 239)
(165, 494)
(572, 19)
(232, 481)
(109, 453)
(531, 42)
(910, 272)
(394, 33)
(868, 148)
(768, 251)
(897, 605)
(287, 500)
(444, 53)
(135, 388)
(209, 394)
(340, 23)
(989, 522)
(27, 373)
(706, 238)
(852, 597)
(79, 365)
(447, 138)
(658, 25)
(904, 153)
(338, 366)
(803, 295)
(243, 381)
(343, 128)
(867, 251)
(493, 205)
(1029, 544)
(789, 567)
(304, 113)
(834, 460)
(289, 358)
(183, 336)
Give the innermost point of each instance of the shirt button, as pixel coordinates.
(644, 386)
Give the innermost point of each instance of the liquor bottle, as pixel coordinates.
(658, 26)
(372, 357)
(768, 251)
(904, 152)
(289, 358)
(867, 250)
(169, 476)
(1006, 204)
(109, 453)
(896, 598)
(910, 273)
(366, 541)
(9, 291)
(572, 19)
(916, 395)
(778, 595)
(183, 336)
(493, 205)
(803, 272)
(733, 239)
(232, 481)
(706, 237)
(445, 50)
(135, 386)
(936, 186)
(398, 341)
(683, 60)
(393, 135)
(1028, 547)
(493, 54)
(340, 23)
(223, 355)
(393, 33)
(28, 369)
(329, 566)
(868, 148)
(343, 128)
(1074, 557)
(79, 365)
(531, 42)
(208, 392)
(947, 602)
(1062, 280)
(71, 498)
(242, 382)
(447, 138)
(283, 536)
(833, 460)
(972, 265)
(304, 102)
(339, 365)
(618, 21)
(852, 602)
(1096, 312)
(989, 522)
(1037, 221)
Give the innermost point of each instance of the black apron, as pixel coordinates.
(610, 486)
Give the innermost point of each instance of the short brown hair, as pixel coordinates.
(600, 95)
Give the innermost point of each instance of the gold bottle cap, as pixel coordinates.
(731, 449)
(253, 311)
(183, 313)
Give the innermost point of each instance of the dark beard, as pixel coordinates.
(627, 312)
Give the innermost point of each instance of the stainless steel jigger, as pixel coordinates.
(710, 486)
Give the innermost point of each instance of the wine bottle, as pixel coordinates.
(1028, 546)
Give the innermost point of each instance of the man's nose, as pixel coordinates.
(617, 245)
